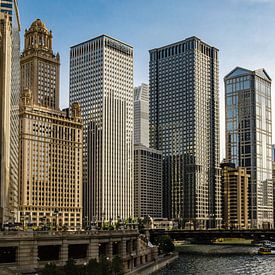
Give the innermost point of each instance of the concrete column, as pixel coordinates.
(109, 252)
(27, 255)
(154, 252)
(131, 245)
(149, 255)
(139, 247)
(137, 260)
(93, 251)
(64, 252)
(122, 249)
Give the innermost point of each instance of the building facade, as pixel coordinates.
(141, 115)
(50, 142)
(184, 125)
(14, 115)
(248, 137)
(273, 180)
(6, 6)
(101, 80)
(147, 161)
(12, 81)
(148, 182)
(234, 196)
(5, 98)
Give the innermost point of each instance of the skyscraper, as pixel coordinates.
(147, 161)
(273, 180)
(141, 115)
(6, 6)
(273, 152)
(101, 79)
(50, 159)
(10, 195)
(148, 182)
(184, 125)
(14, 116)
(248, 137)
(5, 95)
(234, 182)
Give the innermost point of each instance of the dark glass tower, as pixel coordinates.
(184, 125)
(248, 137)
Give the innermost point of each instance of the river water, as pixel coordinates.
(220, 259)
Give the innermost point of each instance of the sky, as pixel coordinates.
(242, 30)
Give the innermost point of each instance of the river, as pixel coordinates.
(220, 259)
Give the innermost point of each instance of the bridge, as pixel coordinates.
(212, 234)
(23, 251)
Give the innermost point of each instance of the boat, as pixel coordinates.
(266, 251)
(268, 248)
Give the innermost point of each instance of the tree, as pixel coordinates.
(165, 244)
(70, 268)
(104, 266)
(117, 266)
(93, 267)
(50, 269)
(141, 226)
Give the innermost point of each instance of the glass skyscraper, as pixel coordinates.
(248, 137)
(184, 125)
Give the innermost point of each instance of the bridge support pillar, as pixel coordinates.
(93, 251)
(109, 250)
(64, 252)
(122, 249)
(27, 254)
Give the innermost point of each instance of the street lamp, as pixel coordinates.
(85, 267)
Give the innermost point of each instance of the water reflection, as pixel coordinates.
(216, 260)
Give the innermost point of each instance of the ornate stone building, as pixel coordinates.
(50, 140)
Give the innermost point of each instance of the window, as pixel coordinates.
(4, 5)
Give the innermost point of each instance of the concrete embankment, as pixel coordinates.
(154, 266)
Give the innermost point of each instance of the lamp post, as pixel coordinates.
(85, 267)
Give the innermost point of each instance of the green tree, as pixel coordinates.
(165, 244)
(70, 268)
(93, 267)
(141, 225)
(117, 266)
(50, 269)
(104, 266)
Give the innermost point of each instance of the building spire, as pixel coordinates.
(38, 37)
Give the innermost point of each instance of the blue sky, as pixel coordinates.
(243, 31)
